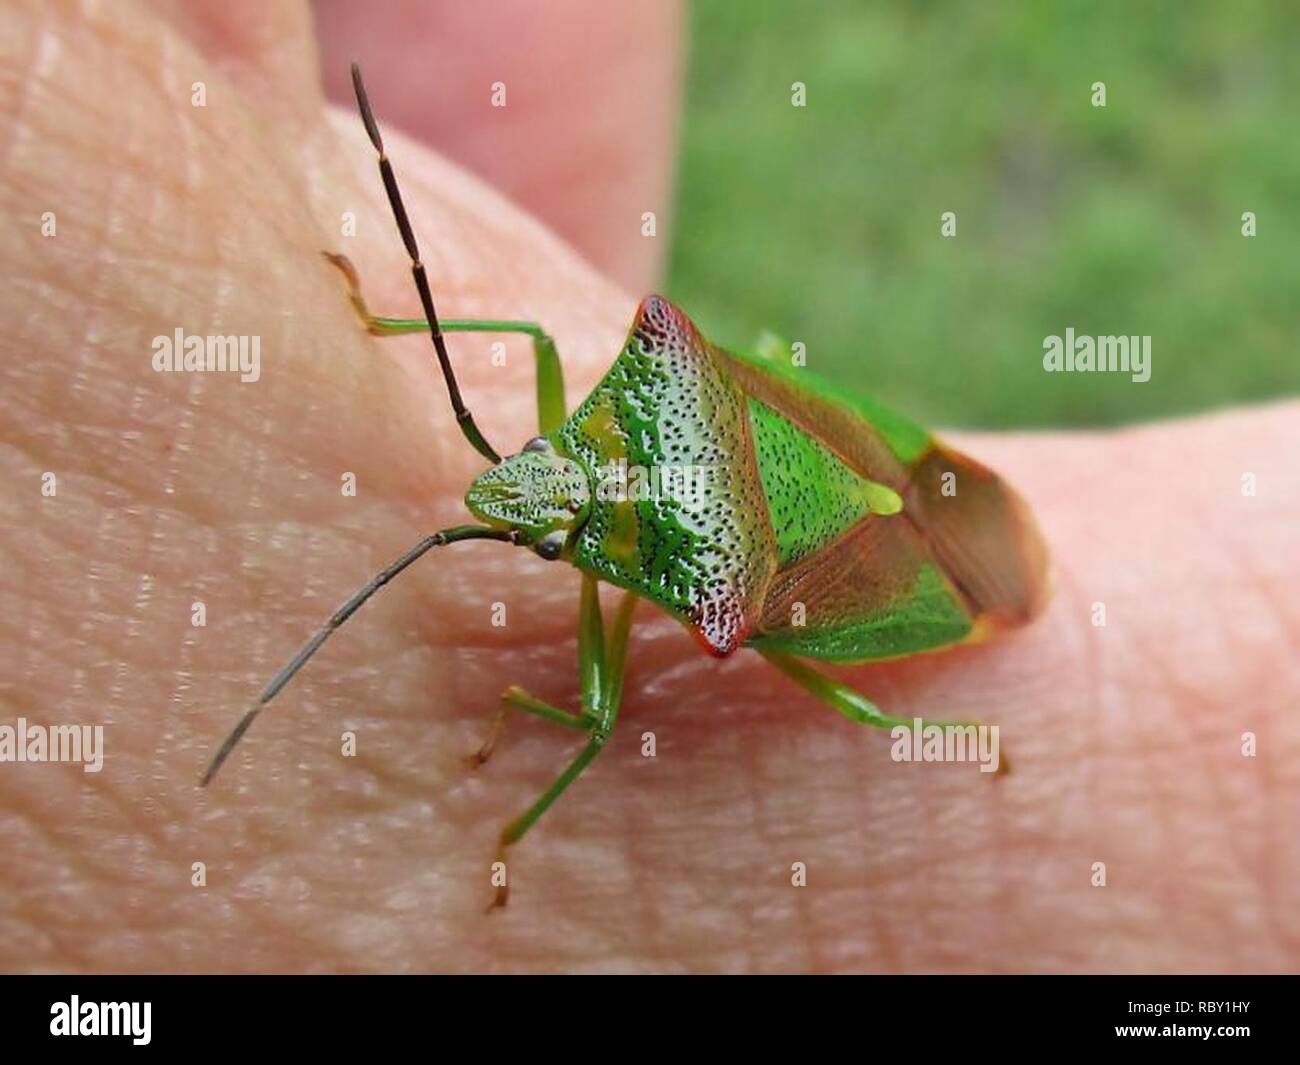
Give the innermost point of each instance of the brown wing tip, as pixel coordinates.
(984, 535)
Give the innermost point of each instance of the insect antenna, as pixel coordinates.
(463, 417)
(276, 683)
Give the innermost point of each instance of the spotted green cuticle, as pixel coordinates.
(706, 555)
(812, 496)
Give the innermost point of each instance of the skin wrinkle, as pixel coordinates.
(761, 830)
(1156, 782)
(26, 87)
(1211, 770)
(1191, 693)
(1273, 846)
(183, 428)
(1272, 842)
(1067, 586)
(1279, 814)
(84, 349)
(1263, 590)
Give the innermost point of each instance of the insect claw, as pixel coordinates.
(344, 265)
(502, 895)
(358, 301)
(479, 757)
(499, 900)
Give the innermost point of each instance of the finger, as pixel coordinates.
(581, 130)
(267, 50)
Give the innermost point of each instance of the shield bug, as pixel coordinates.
(792, 517)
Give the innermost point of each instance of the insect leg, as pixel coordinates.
(852, 704)
(602, 659)
(514, 696)
(550, 377)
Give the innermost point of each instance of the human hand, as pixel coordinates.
(175, 488)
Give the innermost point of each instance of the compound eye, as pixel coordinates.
(550, 545)
(538, 443)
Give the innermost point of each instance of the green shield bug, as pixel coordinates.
(757, 505)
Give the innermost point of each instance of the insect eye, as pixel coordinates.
(538, 443)
(550, 546)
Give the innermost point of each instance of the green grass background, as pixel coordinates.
(822, 223)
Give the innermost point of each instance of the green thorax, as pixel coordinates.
(698, 541)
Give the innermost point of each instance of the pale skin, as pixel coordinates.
(174, 489)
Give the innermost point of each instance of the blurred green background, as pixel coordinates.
(822, 223)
